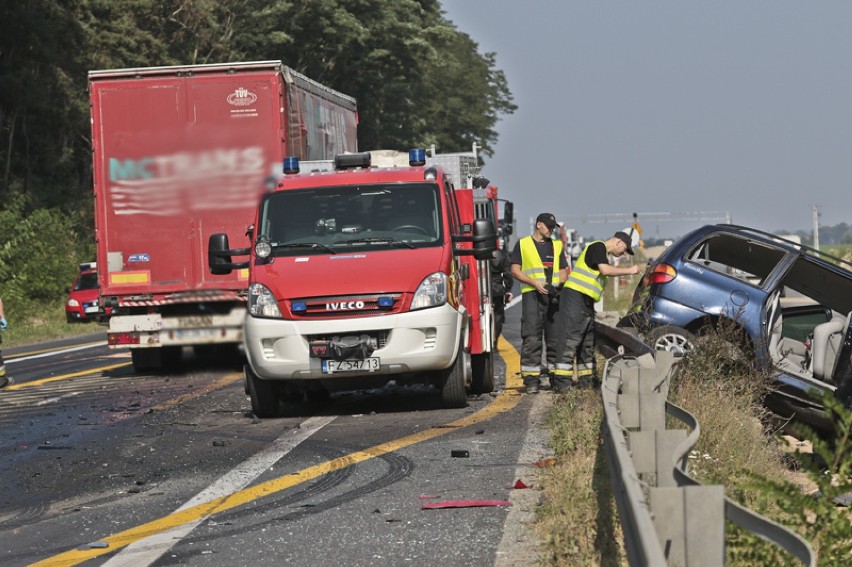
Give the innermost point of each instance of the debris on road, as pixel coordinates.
(464, 504)
(459, 454)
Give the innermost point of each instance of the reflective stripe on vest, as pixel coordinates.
(584, 279)
(533, 267)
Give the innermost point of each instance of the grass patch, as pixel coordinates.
(49, 324)
(577, 520)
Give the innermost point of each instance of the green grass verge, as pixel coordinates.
(49, 324)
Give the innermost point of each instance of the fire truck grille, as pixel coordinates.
(347, 306)
(380, 337)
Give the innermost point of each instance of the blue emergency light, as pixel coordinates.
(385, 302)
(291, 165)
(298, 306)
(416, 157)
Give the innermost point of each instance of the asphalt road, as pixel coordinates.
(103, 466)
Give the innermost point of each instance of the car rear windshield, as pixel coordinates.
(738, 257)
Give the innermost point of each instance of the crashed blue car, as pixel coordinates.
(791, 305)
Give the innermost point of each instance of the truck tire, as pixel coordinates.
(146, 359)
(265, 400)
(482, 368)
(453, 386)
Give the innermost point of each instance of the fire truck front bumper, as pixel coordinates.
(418, 341)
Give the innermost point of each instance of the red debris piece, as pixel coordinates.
(464, 504)
(520, 484)
(548, 462)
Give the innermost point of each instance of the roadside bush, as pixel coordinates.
(39, 256)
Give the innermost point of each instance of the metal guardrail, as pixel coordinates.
(668, 517)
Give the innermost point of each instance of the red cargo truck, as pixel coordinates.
(361, 275)
(180, 153)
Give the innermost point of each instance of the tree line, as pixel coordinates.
(417, 78)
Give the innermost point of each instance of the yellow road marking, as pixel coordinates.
(42, 351)
(504, 402)
(66, 376)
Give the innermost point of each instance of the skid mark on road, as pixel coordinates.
(195, 514)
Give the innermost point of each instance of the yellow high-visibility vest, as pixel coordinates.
(532, 265)
(585, 279)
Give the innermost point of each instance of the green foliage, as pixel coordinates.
(827, 525)
(417, 79)
(38, 258)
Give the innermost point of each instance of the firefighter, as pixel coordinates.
(3, 324)
(501, 287)
(538, 263)
(576, 326)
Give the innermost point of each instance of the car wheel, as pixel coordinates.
(671, 338)
(263, 393)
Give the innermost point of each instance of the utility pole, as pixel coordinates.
(816, 228)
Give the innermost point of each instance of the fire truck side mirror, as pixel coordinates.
(484, 239)
(219, 255)
(508, 214)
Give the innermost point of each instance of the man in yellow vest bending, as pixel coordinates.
(538, 263)
(576, 328)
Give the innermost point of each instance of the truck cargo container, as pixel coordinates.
(180, 153)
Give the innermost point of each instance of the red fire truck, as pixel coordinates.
(362, 275)
(180, 153)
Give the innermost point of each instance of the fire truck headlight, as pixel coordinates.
(262, 249)
(432, 292)
(261, 302)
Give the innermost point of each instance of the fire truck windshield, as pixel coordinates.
(330, 219)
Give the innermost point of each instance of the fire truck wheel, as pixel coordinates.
(482, 366)
(263, 393)
(454, 389)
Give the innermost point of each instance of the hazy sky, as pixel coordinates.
(731, 106)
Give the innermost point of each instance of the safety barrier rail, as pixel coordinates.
(668, 517)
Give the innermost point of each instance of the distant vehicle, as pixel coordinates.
(792, 303)
(82, 302)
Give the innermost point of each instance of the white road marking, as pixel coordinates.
(147, 551)
(56, 399)
(10, 360)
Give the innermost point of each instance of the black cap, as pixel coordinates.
(548, 219)
(625, 238)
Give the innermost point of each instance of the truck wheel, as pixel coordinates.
(454, 388)
(172, 357)
(482, 367)
(146, 359)
(263, 393)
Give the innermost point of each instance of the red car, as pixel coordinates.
(82, 303)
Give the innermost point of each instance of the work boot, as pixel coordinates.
(532, 385)
(560, 387)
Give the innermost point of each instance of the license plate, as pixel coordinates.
(91, 309)
(365, 365)
(186, 334)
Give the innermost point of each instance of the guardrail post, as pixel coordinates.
(690, 524)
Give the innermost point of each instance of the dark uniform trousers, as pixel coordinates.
(575, 337)
(538, 317)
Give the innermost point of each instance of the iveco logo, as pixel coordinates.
(344, 305)
(241, 97)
